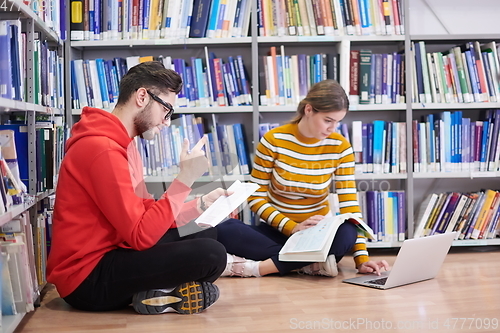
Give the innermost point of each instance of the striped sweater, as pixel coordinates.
(295, 173)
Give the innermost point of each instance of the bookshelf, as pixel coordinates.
(35, 96)
(440, 32)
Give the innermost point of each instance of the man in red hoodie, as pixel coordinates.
(113, 245)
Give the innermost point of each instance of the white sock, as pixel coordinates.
(255, 268)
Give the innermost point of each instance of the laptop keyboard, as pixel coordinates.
(380, 281)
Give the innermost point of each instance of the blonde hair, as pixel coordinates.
(324, 96)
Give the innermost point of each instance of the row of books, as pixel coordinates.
(52, 12)
(19, 282)
(330, 17)
(385, 213)
(155, 19)
(12, 189)
(376, 78)
(464, 74)
(448, 142)
(474, 215)
(213, 82)
(289, 77)
(47, 75)
(50, 136)
(226, 150)
(379, 146)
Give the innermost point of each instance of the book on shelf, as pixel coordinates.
(8, 305)
(313, 244)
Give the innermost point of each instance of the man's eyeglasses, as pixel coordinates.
(169, 109)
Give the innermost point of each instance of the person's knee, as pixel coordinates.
(214, 250)
(349, 232)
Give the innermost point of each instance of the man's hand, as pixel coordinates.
(310, 222)
(209, 198)
(193, 163)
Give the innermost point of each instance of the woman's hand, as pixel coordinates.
(310, 222)
(373, 267)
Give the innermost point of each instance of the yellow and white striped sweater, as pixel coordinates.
(295, 172)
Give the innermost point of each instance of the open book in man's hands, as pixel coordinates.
(223, 206)
(313, 244)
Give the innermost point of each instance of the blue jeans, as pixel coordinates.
(263, 242)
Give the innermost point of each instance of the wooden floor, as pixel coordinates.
(467, 287)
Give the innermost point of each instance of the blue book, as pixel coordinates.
(494, 141)
(180, 68)
(364, 131)
(430, 138)
(238, 18)
(245, 84)
(228, 83)
(448, 139)
(369, 157)
(115, 85)
(145, 16)
(190, 92)
(364, 9)
(484, 145)
(459, 136)
(303, 86)
(382, 231)
(5, 60)
(224, 149)
(15, 60)
(241, 149)
(372, 216)
(212, 21)
(401, 197)
(378, 143)
(281, 81)
(419, 73)
(200, 80)
(466, 144)
(384, 91)
(74, 89)
(489, 78)
(104, 79)
(194, 82)
(233, 64)
(318, 68)
(212, 149)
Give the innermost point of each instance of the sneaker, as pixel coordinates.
(327, 268)
(238, 266)
(187, 298)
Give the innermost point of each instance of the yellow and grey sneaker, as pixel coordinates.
(327, 268)
(187, 298)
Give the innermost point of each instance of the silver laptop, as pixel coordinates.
(418, 259)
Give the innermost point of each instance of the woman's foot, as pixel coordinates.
(238, 266)
(327, 268)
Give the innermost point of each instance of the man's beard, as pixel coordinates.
(143, 125)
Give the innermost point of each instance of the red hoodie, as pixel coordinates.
(102, 202)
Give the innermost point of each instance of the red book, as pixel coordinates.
(354, 77)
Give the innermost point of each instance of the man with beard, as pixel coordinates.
(113, 245)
